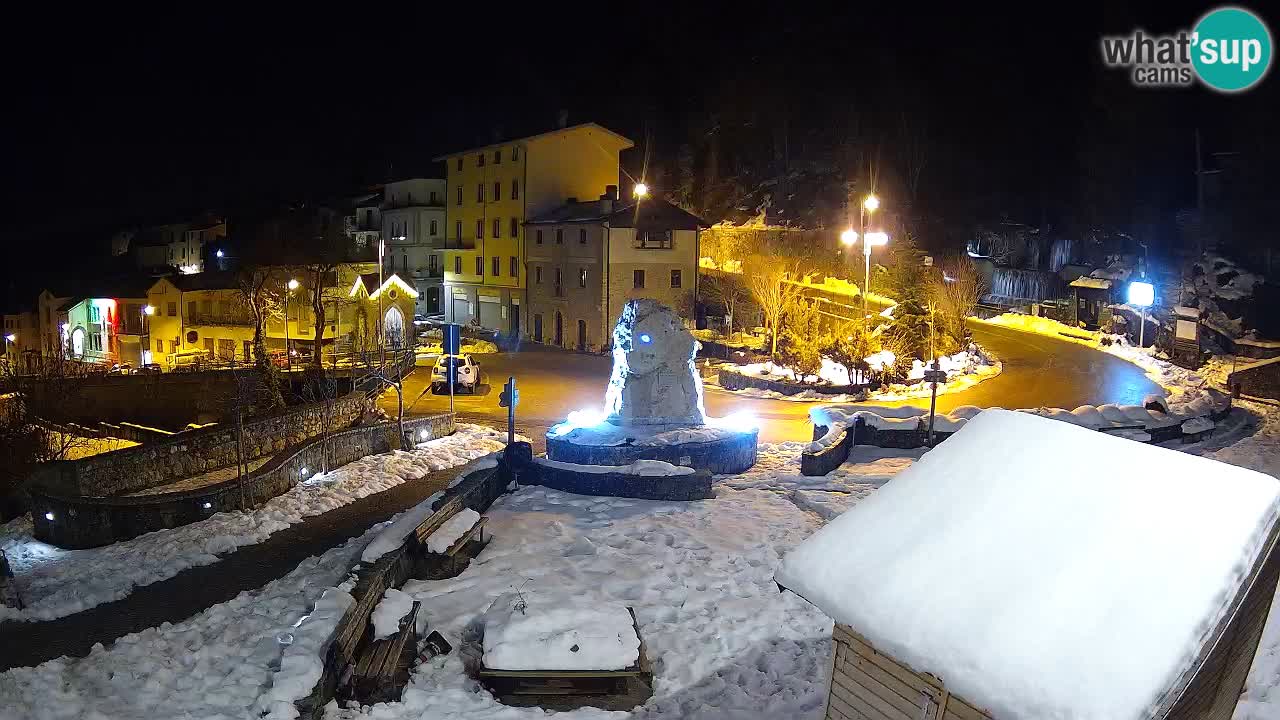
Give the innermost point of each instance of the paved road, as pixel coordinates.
(1038, 371)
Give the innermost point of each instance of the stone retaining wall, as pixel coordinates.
(81, 522)
(694, 486)
(828, 458)
(191, 453)
(1260, 379)
(723, 457)
(731, 380)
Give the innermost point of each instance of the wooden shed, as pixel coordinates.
(949, 626)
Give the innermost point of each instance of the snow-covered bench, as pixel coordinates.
(382, 670)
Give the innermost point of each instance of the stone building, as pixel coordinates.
(587, 259)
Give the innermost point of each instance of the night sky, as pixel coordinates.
(115, 120)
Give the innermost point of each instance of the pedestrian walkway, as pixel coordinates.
(193, 590)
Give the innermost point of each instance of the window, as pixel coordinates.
(675, 278)
(582, 236)
(497, 191)
(457, 265)
(653, 239)
(479, 266)
(457, 231)
(458, 196)
(434, 198)
(479, 229)
(496, 262)
(159, 346)
(480, 160)
(497, 228)
(582, 277)
(537, 237)
(459, 162)
(191, 308)
(559, 282)
(171, 309)
(480, 192)
(515, 267)
(637, 279)
(497, 157)
(559, 236)
(434, 227)
(515, 227)
(94, 315)
(537, 274)
(515, 153)
(515, 189)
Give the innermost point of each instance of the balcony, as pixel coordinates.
(223, 319)
(400, 203)
(428, 273)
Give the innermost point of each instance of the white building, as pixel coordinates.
(413, 230)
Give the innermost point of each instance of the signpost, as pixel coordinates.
(934, 375)
(451, 343)
(509, 398)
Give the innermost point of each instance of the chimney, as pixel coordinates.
(611, 191)
(562, 120)
(606, 202)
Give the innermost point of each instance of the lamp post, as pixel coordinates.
(869, 240)
(1142, 294)
(144, 353)
(869, 205)
(288, 353)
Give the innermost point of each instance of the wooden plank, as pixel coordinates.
(905, 674)
(869, 697)
(964, 710)
(838, 705)
(433, 521)
(856, 703)
(910, 707)
(891, 681)
(466, 538)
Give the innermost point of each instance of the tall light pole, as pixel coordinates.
(869, 205)
(869, 241)
(145, 353)
(382, 338)
(288, 353)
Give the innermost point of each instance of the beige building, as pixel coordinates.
(206, 313)
(19, 339)
(413, 229)
(586, 259)
(492, 190)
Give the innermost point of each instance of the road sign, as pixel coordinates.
(509, 397)
(451, 339)
(935, 376)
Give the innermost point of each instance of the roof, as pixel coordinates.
(1070, 574)
(1091, 282)
(626, 142)
(132, 288)
(208, 280)
(649, 214)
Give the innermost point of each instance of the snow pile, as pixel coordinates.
(56, 582)
(393, 606)
(452, 529)
(1108, 556)
(1038, 325)
(605, 433)
(540, 631)
(393, 535)
(838, 418)
(302, 663)
(1222, 278)
(649, 468)
(831, 373)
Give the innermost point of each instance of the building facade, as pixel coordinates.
(20, 339)
(413, 230)
(492, 190)
(587, 259)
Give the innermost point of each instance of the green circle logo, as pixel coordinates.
(1231, 49)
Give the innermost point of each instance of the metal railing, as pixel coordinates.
(224, 318)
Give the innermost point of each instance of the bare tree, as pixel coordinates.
(767, 279)
(956, 292)
(913, 145)
(262, 292)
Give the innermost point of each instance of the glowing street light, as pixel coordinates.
(11, 338)
(641, 190)
(149, 310)
(849, 237)
(872, 203)
(1142, 294)
(293, 284)
(869, 240)
(219, 254)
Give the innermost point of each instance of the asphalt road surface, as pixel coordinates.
(1038, 371)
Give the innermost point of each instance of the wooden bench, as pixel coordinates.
(456, 558)
(382, 670)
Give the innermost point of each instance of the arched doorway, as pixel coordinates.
(582, 336)
(77, 343)
(433, 300)
(559, 336)
(393, 327)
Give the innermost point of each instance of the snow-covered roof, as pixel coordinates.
(1085, 281)
(1042, 569)
(1185, 311)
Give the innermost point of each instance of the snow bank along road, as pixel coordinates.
(168, 575)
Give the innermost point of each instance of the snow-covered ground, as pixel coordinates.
(56, 582)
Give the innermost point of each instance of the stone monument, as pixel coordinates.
(654, 379)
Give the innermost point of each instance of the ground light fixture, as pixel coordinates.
(303, 472)
(48, 516)
(422, 434)
(207, 505)
(219, 253)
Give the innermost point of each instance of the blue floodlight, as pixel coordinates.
(1142, 294)
(646, 339)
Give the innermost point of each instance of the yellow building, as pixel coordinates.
(491, 191)
(205, 313)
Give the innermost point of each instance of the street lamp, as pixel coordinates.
(641, 190)
(1142, 294)
(288, 354)
(869, 240)
(219, 254)
(848, 237)
(871, 204)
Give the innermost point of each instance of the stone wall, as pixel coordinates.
(168, 400)
(1260, 379)
(813, 464)
(81, 522)
(724, 457)
(191, 453)
(731, 380)
(694, 486)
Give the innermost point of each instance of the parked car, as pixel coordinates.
(468, 374)
(150, 369)
(121, 369)
(189, 360)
